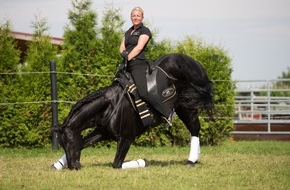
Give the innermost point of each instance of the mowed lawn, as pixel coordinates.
(233, 165)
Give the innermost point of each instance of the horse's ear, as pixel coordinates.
(57, 129)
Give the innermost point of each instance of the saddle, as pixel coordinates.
(158, 84)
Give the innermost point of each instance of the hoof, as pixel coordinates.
(190, 163)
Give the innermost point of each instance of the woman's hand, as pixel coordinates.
(124, 54)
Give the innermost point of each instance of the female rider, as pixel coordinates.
(132, 49)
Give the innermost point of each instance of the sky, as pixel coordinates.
(255, 33)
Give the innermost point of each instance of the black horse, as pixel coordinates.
(111, 116)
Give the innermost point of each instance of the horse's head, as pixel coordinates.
(70, 142)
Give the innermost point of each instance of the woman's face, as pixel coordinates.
(136, 17)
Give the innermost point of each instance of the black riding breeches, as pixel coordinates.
(138, 68)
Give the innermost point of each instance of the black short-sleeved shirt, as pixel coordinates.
(131, 40)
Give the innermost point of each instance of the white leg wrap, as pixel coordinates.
(134, 164)
(61, 163)
(194, 149)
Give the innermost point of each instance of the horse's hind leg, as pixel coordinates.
(194, 143)
(194, 127)
(122, 150)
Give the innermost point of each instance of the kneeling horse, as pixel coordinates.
(112, 114)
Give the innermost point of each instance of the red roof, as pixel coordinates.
(22, 40)
(28, 37)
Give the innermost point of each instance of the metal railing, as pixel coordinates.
(262, 102)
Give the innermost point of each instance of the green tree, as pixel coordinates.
(157, 49)
(88, 49)
(281, 86)
(9, 54)
(111, 37)
(9, 88)
(39, 55)
(283, 83)
(28, 124)
(78, 56)
(79, 53)
(286, 75)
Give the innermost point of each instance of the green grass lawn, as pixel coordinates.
(234, 165)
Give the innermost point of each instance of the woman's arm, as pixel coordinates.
(122, 46)
(142, 41)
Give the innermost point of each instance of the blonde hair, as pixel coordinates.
(138, 9)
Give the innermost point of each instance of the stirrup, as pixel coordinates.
(166, 122)
(171, 115)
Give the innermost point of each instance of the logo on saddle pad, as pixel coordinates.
(168, 92)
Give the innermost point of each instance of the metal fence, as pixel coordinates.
(262, 102)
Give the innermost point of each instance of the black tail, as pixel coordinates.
(198, 98)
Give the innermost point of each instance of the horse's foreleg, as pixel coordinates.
(122, 150)
(89, 140)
